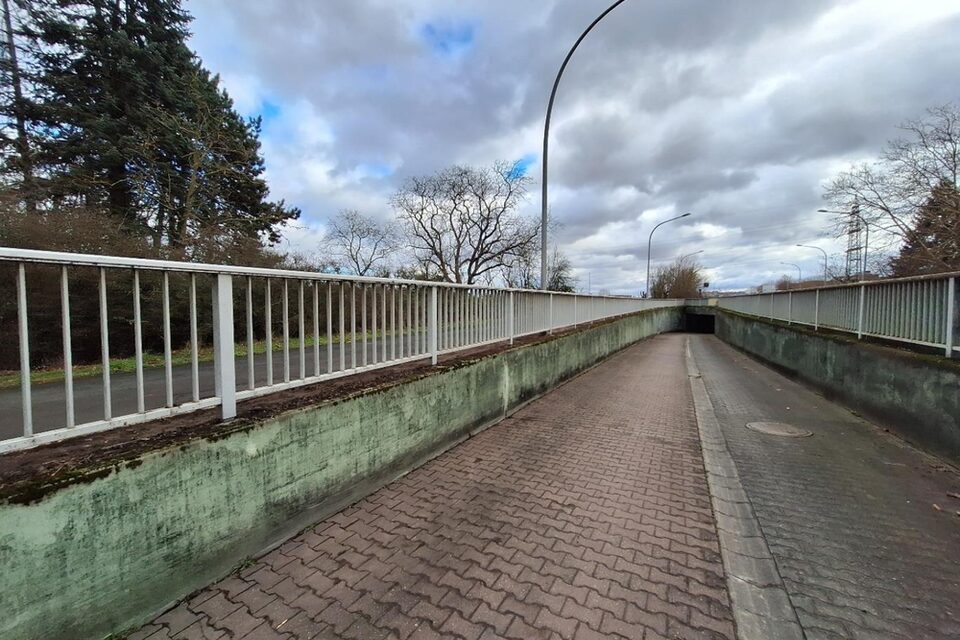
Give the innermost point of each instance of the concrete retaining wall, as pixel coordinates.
(107, 553)
(915, 395)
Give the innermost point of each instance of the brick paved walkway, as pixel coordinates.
(585, 515)
(848, 514)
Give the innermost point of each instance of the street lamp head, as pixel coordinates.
(824, 211)
(650, 242)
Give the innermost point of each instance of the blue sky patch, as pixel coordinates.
(522, 166)
(448, 39)
(269, 111)
(375, 169)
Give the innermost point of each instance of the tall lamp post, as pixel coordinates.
(810, 246)
(546, 141)
(866, 237)
(650, 244)
(797, 267)
(684, 257)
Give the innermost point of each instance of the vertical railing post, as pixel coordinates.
(816, 311)
(951, 325)
(330, 326)
(286, 330)
(26, 402)
(550, 325)
(353, 325)
(105, 345)
(575, 318)
(316, 328)
(167, 349)
(224, 365)
(860, 312)
(268, 330)
(302, 329)
(432, 325)
(790, 307)
(67, 347)
(510, 318)
(138, 341)
(251, 373)
(340, 328)
(194, 348)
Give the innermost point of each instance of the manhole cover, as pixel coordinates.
(779, 429)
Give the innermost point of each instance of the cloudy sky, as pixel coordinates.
(737, 111)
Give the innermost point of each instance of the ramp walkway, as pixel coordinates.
(590, 514)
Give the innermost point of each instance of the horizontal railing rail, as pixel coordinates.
(919, 310)
(270, 329)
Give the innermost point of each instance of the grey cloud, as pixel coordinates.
(728, 109)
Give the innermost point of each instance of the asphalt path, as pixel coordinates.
(857, 525)
(49, 399)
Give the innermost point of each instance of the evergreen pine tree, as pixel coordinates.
(127, 120)
(933, 244)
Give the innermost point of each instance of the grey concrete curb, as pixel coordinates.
(761, 607)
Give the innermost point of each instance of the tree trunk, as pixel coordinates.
(23, 143)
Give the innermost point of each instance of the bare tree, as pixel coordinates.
(679, 279)
(463, 221)
(524, 270)
(524, 273)
(893, 190)
(785, 283)
(361, 243)
(561, 273)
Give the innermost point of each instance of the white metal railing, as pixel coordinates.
(330, 326)
(921, 310)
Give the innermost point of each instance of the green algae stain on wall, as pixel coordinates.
(915, 395)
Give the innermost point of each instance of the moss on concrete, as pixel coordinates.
(889, 348)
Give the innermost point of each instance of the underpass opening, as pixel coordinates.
(699, 320)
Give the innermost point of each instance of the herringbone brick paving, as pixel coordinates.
(584, 515)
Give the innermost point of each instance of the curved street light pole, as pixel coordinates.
(546, 144)
(866, 237)
(810, 246)
(797, 267)
(684, 257)
(650, 244)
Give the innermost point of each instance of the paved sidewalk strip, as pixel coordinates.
(848, 513)
(584, 515)
(761, 606)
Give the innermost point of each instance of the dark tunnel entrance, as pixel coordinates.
(699, 321)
